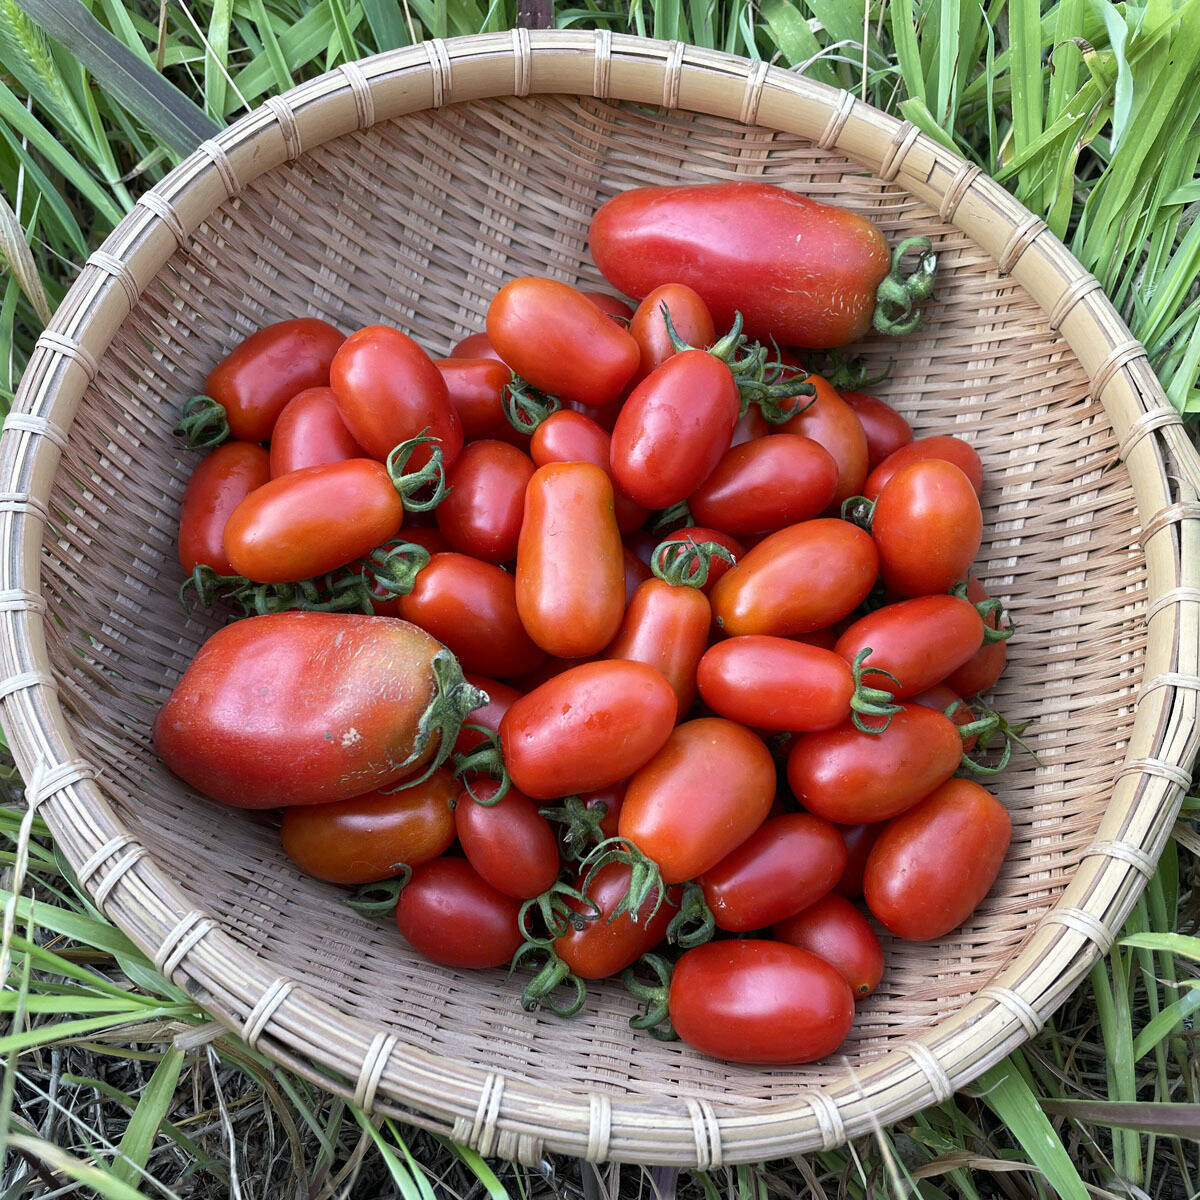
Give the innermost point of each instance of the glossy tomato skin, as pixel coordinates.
(388, 391)
(264, 372)
(927, 526)
(220, 729)
(561, 341)
(372, 837)
(788, 863)
(697, 535)
(450, 914)
(475, 388)
(475, 345)
(570, 577)
(666, 627)
(942, 446)
(310, 432)
(858, 840)
(471, 608)
(885, 429)
(776, 683)
(312, 521)
(220, 482)
(482, 513)
(636, 573)
(674, 428)
(509, 843)
(848, 776)
(919, 642)
(764, 485)
(798, 580)
(758, 1001)
(835, 931)
(933, 865)
(981, 671)
(703, 794)
(611, 306)
(587, 728)
(689, 315)
(798, 270)
(832, 423)
(500, 699)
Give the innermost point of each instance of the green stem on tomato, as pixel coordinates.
(203, 423)
(431, 475)
(381, 895)
(485, 759)
(687, 564)
(899, 297)
(858, 510)
(548, 978)
(556, 907)
(525, 407)
(871, 701)
(645, 877)
(582, 824)
(693, 924)
(655, 1017)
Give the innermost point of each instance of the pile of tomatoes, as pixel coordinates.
(709, 621)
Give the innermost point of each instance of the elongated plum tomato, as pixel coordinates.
(885, 429)
(834, 930)
(798, 580)
(471, 608)
(482, 512)
(832, 423)
(942, 446)
(450, 914)
(858, 840)
(673, 429)
(848, 776)
(689, 315)
(508, 842)
(570, 576)
(500, 698)
(788, 863)
(398, 695)
(388, 391)
(763, 485)
(757, 1001)
(312, 521)
(255, 381)
(927, 526)
(587, 728)
(798, 270)
(310, 432)
(475, 387)
(220, 482)
(475, 345)
(776, 683)
(666, 627)
(933, 865)
(560, 341)
(918, 642)
(703, 794)
(986, 665)
(375, 836)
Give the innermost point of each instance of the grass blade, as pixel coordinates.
(386, 24)
(19, 257)
(151, 1111)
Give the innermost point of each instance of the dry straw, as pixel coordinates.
(407, 188)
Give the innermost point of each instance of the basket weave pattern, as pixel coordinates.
(406, 189)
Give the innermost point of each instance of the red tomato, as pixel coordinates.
(942, 698)
(858, 840)
(798, 580)
(933, 865)
(500, 699)
(835, 931)
(388, 391)
(587, 728)
(886, 430)
(667, 628)
(429, 537)
(375, 836)
(985, 667)
(560, 341)
(798, 270)
(700, 797)
(787, 864)
(610, 305)
(674, 428)
(312, 521)
(697, 535)
(310, 432)
(823, 639)
(567, 436)
(255, 381)
(448, 913)
(509, 843)
(570, 580)
(689, 315)
(832, 423)
(919, 642)
(751, 424)
(927, 526)
(471, 608)
(947, 449)
(636, 573)
(766, 484)
(550, 669)
(482, 511)
(475, 388)
(475, 345)
(756, 1001)
(848, 776)
(221, 481)
(397, 692)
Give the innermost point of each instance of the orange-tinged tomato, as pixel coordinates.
(689, 315)
(831, 422)
(220, 482)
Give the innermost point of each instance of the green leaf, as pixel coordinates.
(1165, 1023)
(908, 54)
(386, 24)
(914, 110)
(795, 40)
(1168, 943)
(102, 1182)
(157, 1097)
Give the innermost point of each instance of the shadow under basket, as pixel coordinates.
(406, 189)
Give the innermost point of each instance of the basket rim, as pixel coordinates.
(351, 1056)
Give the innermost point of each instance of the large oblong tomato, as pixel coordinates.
(834, 930)
(941, 446)
(507, 840)
(484, 505)
(220, 482)
(832, 423)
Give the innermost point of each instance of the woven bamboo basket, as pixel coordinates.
(407, 188)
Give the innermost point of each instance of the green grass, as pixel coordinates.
(115, 1084)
